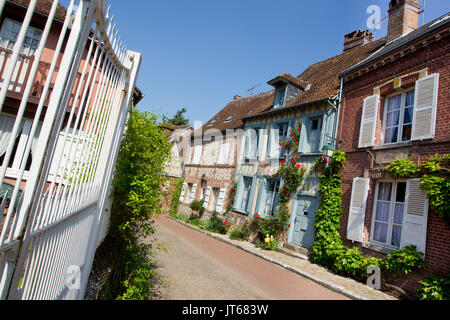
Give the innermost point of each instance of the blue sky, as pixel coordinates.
(198, 54)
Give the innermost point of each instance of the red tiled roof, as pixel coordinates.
(286, 77)
(240, 108)
(44, 7)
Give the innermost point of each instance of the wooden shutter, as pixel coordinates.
(253, 143)
(368, 121)
(262, 134)
(274, 142)
(357, 212)
(425, 105)
(183, 191)
(207, 196)
(192, 194)
(414, 230)
(223, 155)
(247, 144)
(239, 192)
(303, 136)
(262, 198)
(197, 155)
(220, 201)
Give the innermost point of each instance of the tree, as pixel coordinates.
(179, 118)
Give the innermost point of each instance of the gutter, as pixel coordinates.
(338, 110)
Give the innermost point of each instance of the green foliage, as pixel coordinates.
(328, 249)
(240, 233)
(436, 184)
(273, 225)
(267, 244)
(402, 168)
(434, 288)
(136, 199)
(179, 118)
(175, 200)
(197, 207)
(232, 198)
(403, 261)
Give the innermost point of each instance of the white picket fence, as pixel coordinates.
(57, 212)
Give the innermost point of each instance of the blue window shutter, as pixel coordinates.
(239, 193)
(251, 196)
(262, 134)
(260, 208)
(303, 136)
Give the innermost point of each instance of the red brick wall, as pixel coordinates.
(435, 57)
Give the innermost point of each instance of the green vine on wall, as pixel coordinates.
(328, 249)
(435, 180)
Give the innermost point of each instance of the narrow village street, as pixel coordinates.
(201, 268)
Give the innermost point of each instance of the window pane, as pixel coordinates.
(383, 211)
(407, 132)
(398, 213)
(408, 115)
(380, 232)
(391, 135)
(401, 192)
(396, 236)
(394, 103)
(393, 119)
(384, 191)
(409, 99)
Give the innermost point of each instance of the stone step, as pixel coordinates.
(294, 250)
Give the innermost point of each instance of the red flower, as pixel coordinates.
(325, 161)
(298, 165)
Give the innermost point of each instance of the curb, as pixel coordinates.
(324, 283)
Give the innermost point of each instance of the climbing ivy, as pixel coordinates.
(328, 249)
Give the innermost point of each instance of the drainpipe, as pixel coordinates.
(338, 110)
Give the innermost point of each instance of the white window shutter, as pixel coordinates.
(369, 121)
(207, 196)
(357, 213)
(223, 155)
(414, 230)
(274, 143)
(183, 191)
(253, 143)
(220, 201)
(262, 134)
(247, 144)
(192, 194)
(425, 106)
(197, 155)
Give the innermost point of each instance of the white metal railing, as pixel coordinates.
(50, 222)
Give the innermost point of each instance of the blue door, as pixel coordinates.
(303, 228)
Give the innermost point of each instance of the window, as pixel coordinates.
(388, 213)
(21, 140)
(216, 192)
(252, 143)
(272, 197)
(398, 118)
(280, 95)
(283, 132)
(313, 136)
(10, 31)
(230, 118)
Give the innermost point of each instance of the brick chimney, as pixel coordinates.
(357, 38)
(403, 17)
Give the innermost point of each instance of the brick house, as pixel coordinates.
(211, 165)
(395, 105)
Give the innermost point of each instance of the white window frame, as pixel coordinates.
(393, 202)
(24, 46)
(401, 124)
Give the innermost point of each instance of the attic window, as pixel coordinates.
(230, 118)
(213, 122)
(280, 97)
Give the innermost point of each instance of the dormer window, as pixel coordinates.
(230, 118)
(280, 97)
(213, 122)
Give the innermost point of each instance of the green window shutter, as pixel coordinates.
(414, 228)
